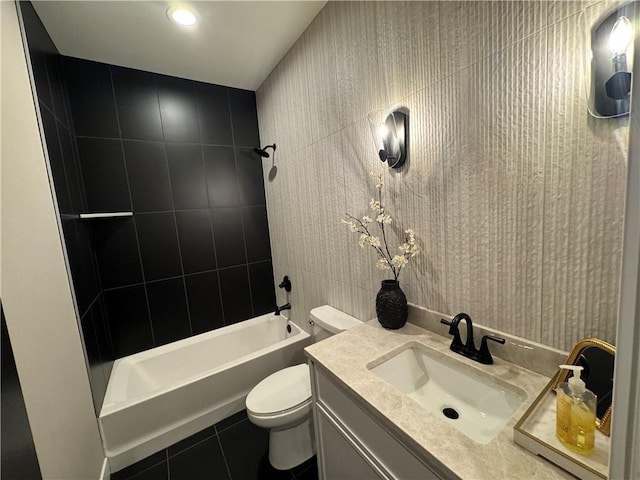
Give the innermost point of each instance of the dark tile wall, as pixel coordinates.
(195, 256)
(178, 153)
(59, 134)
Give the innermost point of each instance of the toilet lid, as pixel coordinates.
(281, 390)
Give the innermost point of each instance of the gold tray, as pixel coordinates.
(536, 432)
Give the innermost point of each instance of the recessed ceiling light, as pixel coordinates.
(181, 15)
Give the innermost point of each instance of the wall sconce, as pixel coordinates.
(390, 131)
(612, 61)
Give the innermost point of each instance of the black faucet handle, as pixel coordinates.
(484, 355)
(493, 338)
(456, 344)
(286, 284)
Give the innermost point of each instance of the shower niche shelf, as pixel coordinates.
(93, 216)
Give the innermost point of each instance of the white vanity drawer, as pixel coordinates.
(341, 457)
(383, 446)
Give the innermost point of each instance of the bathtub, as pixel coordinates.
(163, 395)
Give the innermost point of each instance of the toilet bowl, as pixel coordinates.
(282, 401)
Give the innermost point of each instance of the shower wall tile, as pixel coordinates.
(160, 258)
(178, 110)
(104, 174)
(116, 248)
(250, 177)
(196, 240)
(148, 175)
(498, 144)
(262, 287)
(236, 294)
(56, 161)
(228, 235)
(137, 104)
(91, 98)
(41, 48)
(81, 262)
(187, 173)
(129, 321)
(169, 311)
(221, 176)
(214, 114)
(205, 305)
(256, 233)
(242, 104)
(69, 152)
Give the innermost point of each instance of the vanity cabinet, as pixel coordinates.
(352, 444)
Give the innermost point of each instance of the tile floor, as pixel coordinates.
(233, 449)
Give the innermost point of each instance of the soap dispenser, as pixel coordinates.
(575, 413)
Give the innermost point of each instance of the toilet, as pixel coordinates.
(281, 402)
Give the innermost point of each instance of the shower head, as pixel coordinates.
(263, 151)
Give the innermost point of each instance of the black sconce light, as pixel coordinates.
(390, 132)
(611, 60)
(619, 84)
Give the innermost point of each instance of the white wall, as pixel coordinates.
(516, 194)
(35, 290)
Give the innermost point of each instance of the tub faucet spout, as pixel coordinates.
(286, 306)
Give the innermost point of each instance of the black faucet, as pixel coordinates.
(468, 349)
(286, 306)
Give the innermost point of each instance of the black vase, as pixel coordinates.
(391, 305)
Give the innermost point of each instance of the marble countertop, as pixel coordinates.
(346, 356)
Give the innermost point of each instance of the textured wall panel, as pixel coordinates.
(361, 86)
(584, 200)
(322, 78)
(470, 31)
(515, 193)
(408, 44)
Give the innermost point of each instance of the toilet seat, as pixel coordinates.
(285, 391)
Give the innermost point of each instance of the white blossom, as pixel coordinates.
(367, 220)
(375, 205)
(384, 218)
(399, 261)
(410, 236)
(382, 264)
(352, 226)
(373, 241)
(363, 240)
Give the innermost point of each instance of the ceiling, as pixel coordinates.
(234, 43)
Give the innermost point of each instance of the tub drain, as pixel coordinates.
(450, 413)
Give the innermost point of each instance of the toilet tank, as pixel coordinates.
(328, 321)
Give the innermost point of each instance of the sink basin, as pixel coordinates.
(473, 402)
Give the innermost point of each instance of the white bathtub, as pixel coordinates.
(158, 397)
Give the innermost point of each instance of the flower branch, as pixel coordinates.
(387, 261)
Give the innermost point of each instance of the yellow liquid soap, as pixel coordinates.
(582, 430)
(575, 414)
